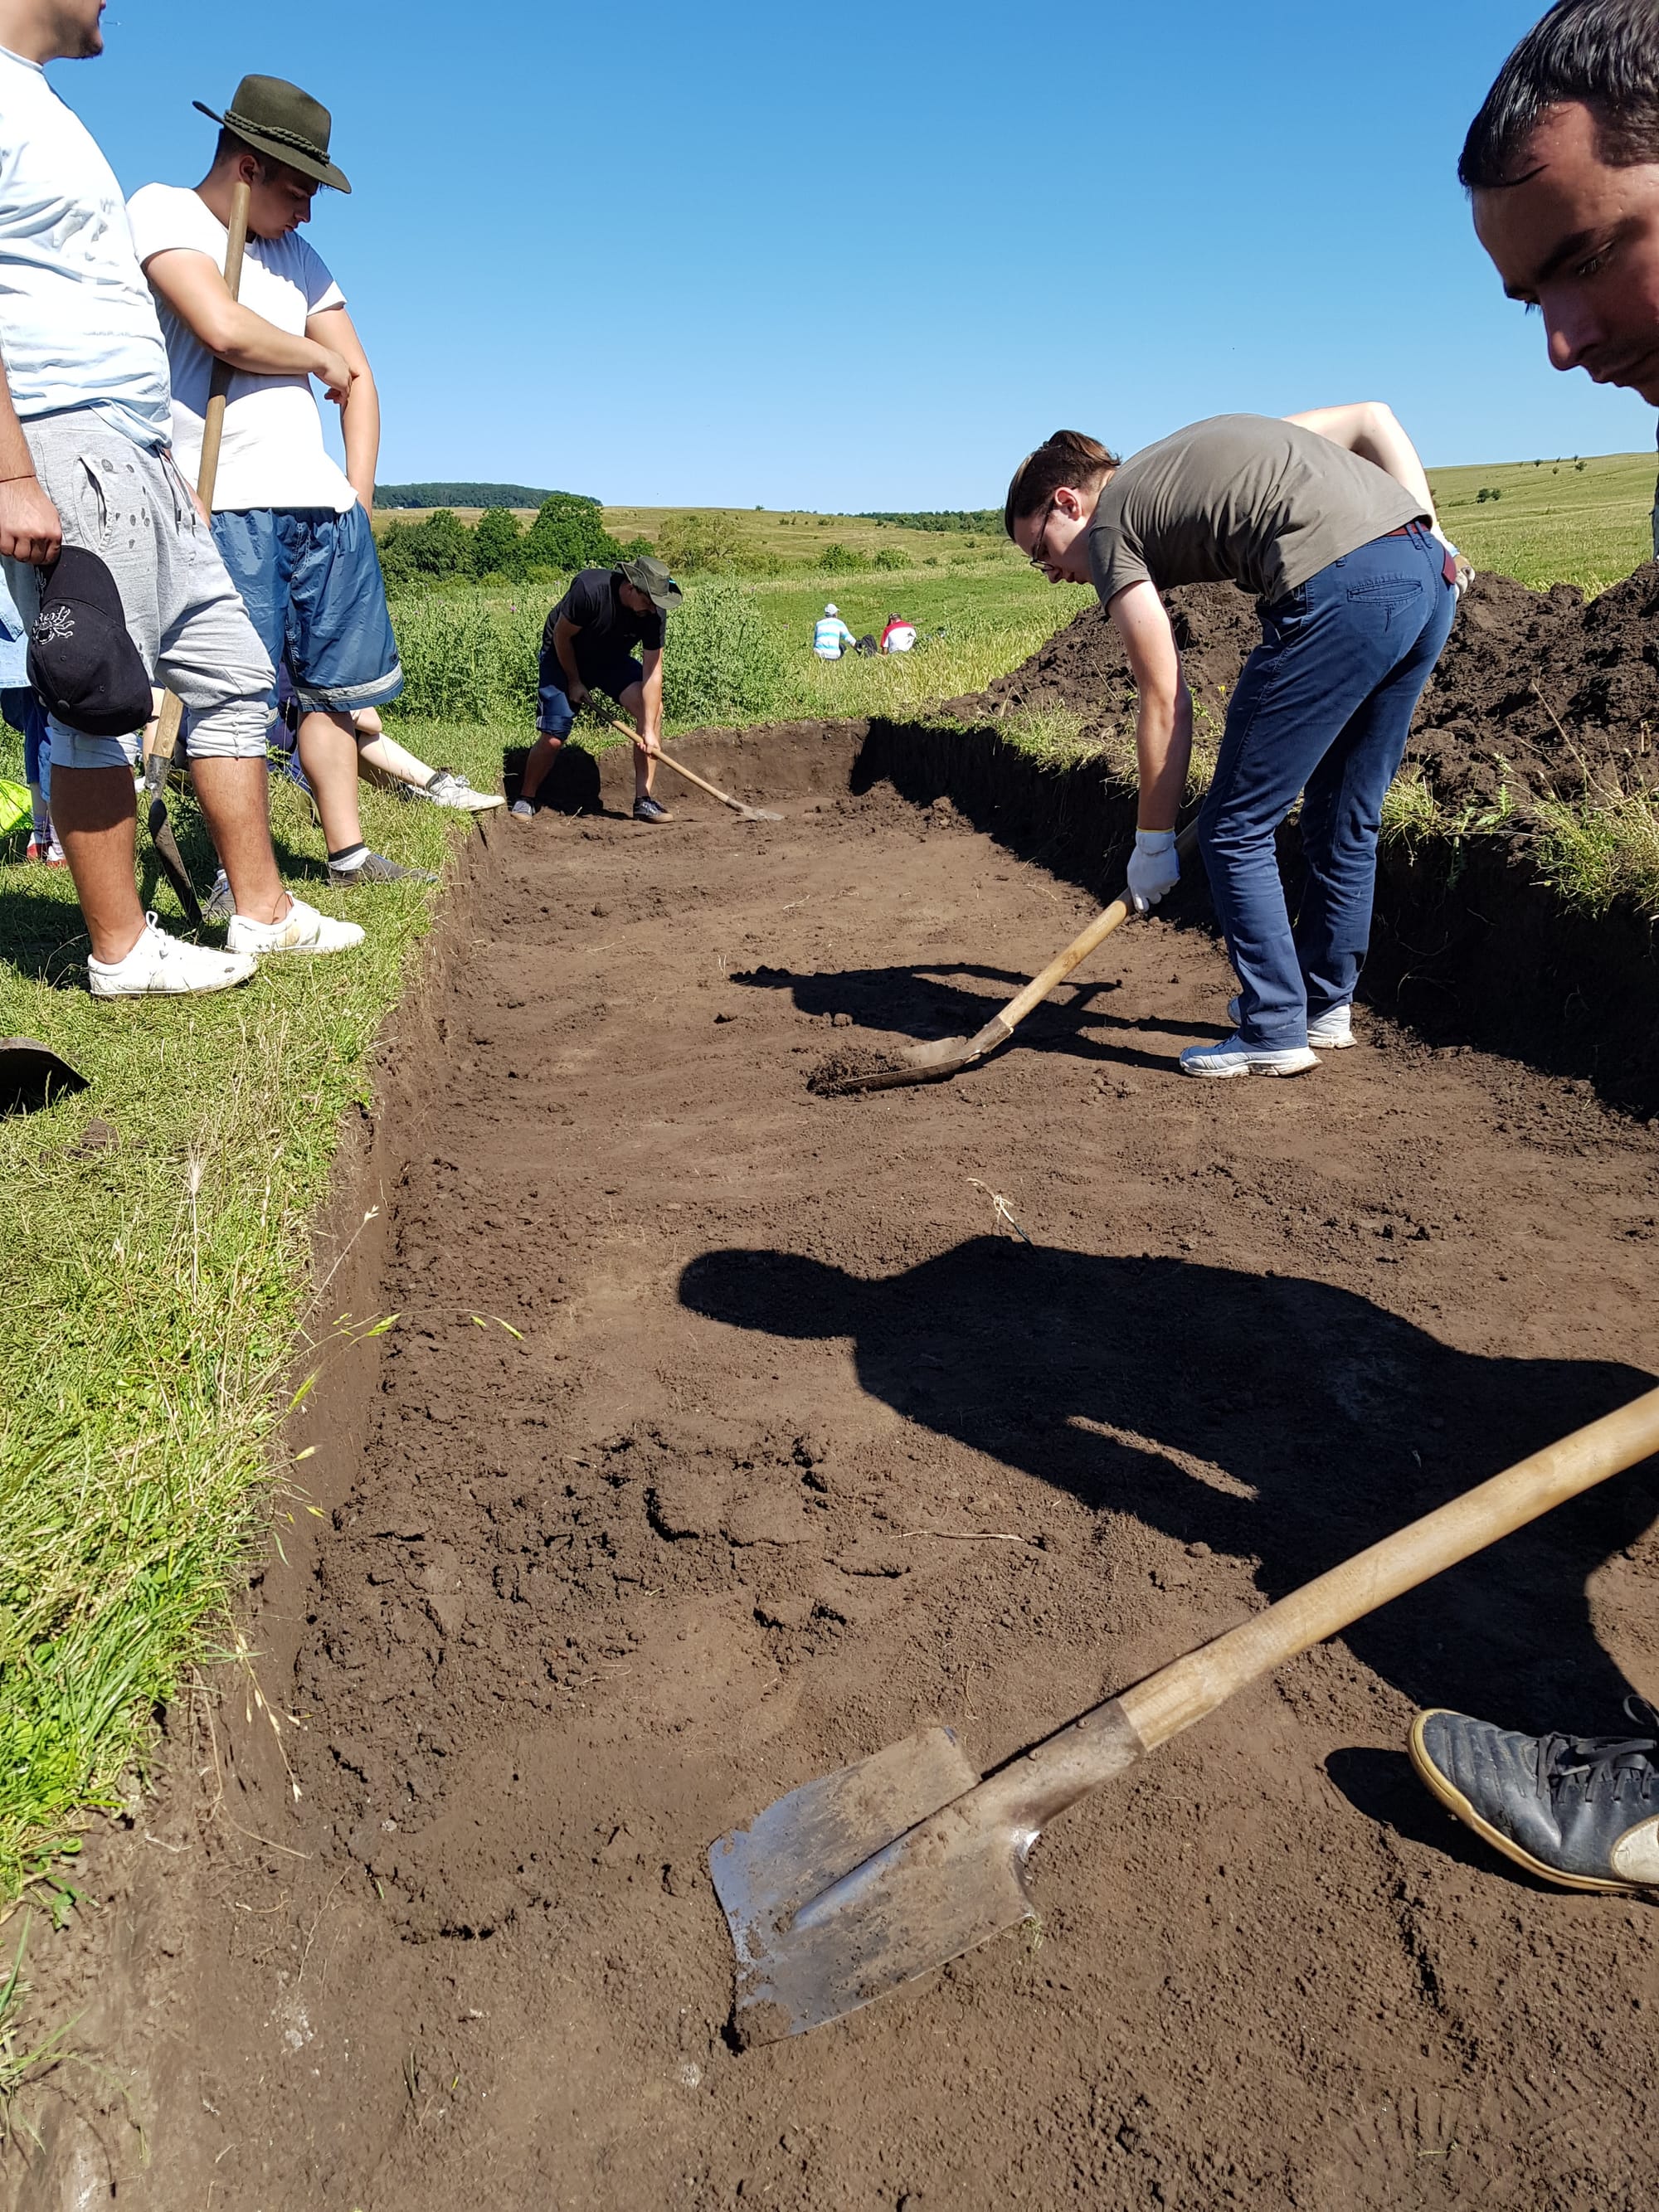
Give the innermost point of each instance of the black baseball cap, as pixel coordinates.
(82, 662)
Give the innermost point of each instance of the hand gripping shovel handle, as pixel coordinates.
(1104, 1741)
(737, 805)
(1002, 1025)
(163, 733)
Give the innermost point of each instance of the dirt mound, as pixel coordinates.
(1537, 694)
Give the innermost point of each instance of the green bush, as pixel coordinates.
(465, 660)
(722, 658)
(497, 543)
(889, 557)
(841, 560)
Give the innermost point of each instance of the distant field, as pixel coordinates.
(1552, 523)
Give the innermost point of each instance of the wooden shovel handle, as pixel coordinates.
(680, 768)
(1104, 1742)
(1003, 1024)
(1176, 1695)
(162, 734)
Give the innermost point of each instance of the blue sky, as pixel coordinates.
(726, 254)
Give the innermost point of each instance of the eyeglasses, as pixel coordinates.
(1038, 554)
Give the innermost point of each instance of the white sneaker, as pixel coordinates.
(449, 789)
(1331, 1031)
(1232, 1056)
(163, 966)
(301, 929)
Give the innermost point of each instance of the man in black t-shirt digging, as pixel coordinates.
(587, 645)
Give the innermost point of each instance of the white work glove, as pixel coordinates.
(1154, 868)
(1464, 568)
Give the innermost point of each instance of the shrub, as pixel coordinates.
(569, 533)
(465, 660)
(700, 544)
(721, 658)
(497, 543)
(841, 560)
(889, 557)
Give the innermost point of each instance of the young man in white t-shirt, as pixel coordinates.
(85, 461)
(294, 529)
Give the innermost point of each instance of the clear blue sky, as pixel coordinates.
(865, 256)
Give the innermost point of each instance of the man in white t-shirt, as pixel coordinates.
(294, 528)
(85, 460)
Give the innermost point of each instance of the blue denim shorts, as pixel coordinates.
(310, 579)
(554, 712)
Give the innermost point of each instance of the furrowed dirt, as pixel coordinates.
(727, 1432)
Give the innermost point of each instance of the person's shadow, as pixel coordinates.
(1281, 1421)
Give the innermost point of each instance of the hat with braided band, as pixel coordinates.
(276, 118)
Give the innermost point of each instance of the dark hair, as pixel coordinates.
(230, 147)
(1603, 54)
(1068, 457)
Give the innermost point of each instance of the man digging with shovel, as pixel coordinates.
(588, 645)
(1562, 165)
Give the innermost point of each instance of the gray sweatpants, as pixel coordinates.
(133, 509)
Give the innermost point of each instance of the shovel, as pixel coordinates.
(163, 735)
(931, 1063)
(857, 1882)
(749, 813)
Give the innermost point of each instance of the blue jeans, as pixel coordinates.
(311, 581)
(1324, 708)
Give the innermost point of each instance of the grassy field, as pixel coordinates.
(1553, 522)
(148, 1338)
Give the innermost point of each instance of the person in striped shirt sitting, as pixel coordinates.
(830, 637)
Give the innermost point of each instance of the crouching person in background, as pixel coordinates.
(587, 645)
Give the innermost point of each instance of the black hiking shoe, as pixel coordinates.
(651, 810)
(1582, 1811)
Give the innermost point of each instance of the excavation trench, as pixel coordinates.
(727, 1432)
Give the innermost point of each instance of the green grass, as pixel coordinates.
(154, 1296)
(1554, 522)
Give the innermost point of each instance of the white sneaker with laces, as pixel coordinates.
(1331, 1031)
(159, 966)
(449, 789)
(301, 929)
(1232, 1056)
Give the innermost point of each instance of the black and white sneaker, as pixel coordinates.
(219, 906)
(375, 868)
(1582, 1811)
(651, 810)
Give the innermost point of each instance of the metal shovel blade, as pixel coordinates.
(756, 813)
(917, 1063)
(834, 1898)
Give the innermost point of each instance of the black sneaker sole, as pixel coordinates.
(1455, 1801)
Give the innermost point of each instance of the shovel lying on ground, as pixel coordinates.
(749, 813)
(163, 735)
(857, 1882)
(31, 1075)
(931, 1063)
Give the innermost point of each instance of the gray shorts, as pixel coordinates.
(133, 509)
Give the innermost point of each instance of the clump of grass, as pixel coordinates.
(22, 2062)
(1602, 852)
(1412, 815)
(1053, 737)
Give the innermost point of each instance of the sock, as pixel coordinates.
(437, 776)
(349, 859)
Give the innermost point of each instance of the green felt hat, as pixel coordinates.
(276, 118)
(652, 578)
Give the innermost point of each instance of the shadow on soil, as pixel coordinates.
(1283, 1421)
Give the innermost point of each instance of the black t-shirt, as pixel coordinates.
(606, 630)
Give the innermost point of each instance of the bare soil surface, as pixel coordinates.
(1538, 694)
(789, 1444)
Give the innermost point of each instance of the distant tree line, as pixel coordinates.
(457, 495)
(957, 518)
(568, 534)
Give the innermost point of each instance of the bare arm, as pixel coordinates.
(360, 409)
(194, 289)
(1371, 428)
(30, 529)
(564, 647)
(652, 689)
(1164, 726)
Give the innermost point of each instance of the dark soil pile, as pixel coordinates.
(1537, 693)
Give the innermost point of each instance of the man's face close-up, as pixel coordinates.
(1579, 240)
